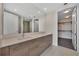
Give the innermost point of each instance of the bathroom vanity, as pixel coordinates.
(32, 44)
(21, 35)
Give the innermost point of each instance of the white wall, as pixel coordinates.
(48, 23)
(32, 25)
(78, 27)
(42, 24)
(52, 26)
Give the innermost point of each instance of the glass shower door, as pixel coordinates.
(74, 28)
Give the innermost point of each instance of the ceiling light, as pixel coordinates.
(67, 16)
(45, 9)
(14, 9)
(67, 11)
(39, 12)
(73, 15)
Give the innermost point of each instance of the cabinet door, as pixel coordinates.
(34, 48)
(39, 45)
(5, 51)
(19, 50)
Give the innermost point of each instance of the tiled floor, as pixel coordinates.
(59, 51)
(65, 43)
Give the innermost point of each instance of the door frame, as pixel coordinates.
(76, 20)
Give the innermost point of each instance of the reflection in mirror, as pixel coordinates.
(27, 25)
(1, 17)
(19, 25)
(30, 25)
(11, 24)
(36, 25)
(18, 21)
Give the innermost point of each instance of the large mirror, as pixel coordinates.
(11, 24)
(16, 21)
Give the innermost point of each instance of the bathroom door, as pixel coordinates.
(74, 28)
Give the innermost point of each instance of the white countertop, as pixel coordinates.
(27, 37)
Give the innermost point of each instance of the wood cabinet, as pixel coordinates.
(0, 52)
(29, 48)
(5, 51)
(19, 49)
(35, 47)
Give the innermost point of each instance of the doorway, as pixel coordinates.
(67, 28)
(26, 26)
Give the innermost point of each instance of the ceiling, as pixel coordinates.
(32, 9)
(62, 15)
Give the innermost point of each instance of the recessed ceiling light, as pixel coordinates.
(15, 10)
(39, 12)
(67, 16)
(73, 15)
(67, 11)
(45, 9)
